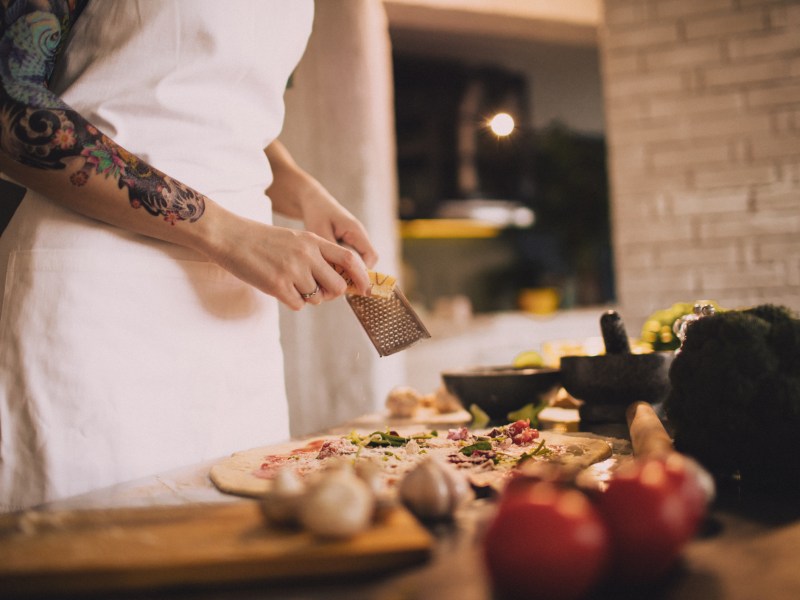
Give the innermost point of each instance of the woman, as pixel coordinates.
(139, 326)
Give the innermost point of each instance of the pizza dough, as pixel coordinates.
(247, 473)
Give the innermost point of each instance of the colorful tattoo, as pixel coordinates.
(38, 130)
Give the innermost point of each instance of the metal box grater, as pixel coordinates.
(390, 322)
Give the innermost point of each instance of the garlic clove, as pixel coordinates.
(369, 472)
(434, 490)
(279, 504)
(287, 481)
(339, 505)
(460, 488)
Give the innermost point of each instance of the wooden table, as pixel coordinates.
(749, 549)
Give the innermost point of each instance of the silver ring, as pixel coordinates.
(311, 295)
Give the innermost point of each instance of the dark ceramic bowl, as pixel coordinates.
(608, 383)
(499, 390)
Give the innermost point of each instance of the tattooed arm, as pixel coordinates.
(48, 147)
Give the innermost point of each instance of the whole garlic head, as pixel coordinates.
(434, 490)
(445, 402)
(338, 505)
(280, 502)
(403, 402)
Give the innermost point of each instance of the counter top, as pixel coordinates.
(747, 549)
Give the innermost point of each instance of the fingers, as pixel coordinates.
(296, 267)
(315, 296)
(331, 284)
(328, 276)
(349, 268)
(293, 299)
(359, 241)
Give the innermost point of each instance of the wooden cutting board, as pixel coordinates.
(136, 548)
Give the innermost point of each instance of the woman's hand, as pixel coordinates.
(296, 194)
(297, 267)
(323, 215)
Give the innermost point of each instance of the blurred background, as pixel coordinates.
(524, 164)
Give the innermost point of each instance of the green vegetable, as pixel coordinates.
(530, 412)
(481, 445)
(378, 438)
(540, 450)
(479, 418)
(734, 402)
(387, 438)
(657, 330)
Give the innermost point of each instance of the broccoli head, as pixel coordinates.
(734, 402)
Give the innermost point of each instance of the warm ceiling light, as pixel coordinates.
(502, 124)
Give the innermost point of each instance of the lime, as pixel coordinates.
(528, 359)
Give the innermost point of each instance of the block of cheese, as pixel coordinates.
(381, 285)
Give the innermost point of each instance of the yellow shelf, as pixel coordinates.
(447, 229)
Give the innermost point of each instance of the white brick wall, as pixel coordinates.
(703, 124)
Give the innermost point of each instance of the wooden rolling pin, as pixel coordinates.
(648, 435)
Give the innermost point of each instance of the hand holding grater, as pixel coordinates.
(387, 317)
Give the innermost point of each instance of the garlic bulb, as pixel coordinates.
(434, 490)
(338, 505)
(280, 502)
(403, 402)
(445, 402)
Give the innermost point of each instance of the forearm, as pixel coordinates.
(49, 147)
(291, 186)
(278, 261)
(89, 173)
(77, 166)
(105, 199)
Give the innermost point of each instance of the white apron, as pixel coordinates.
(122, 356)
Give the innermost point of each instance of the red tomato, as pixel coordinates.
(694, 483)
(545, 542)
(521, 432)
(649, 521)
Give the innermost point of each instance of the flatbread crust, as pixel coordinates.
(236, 474)
(242, 474)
